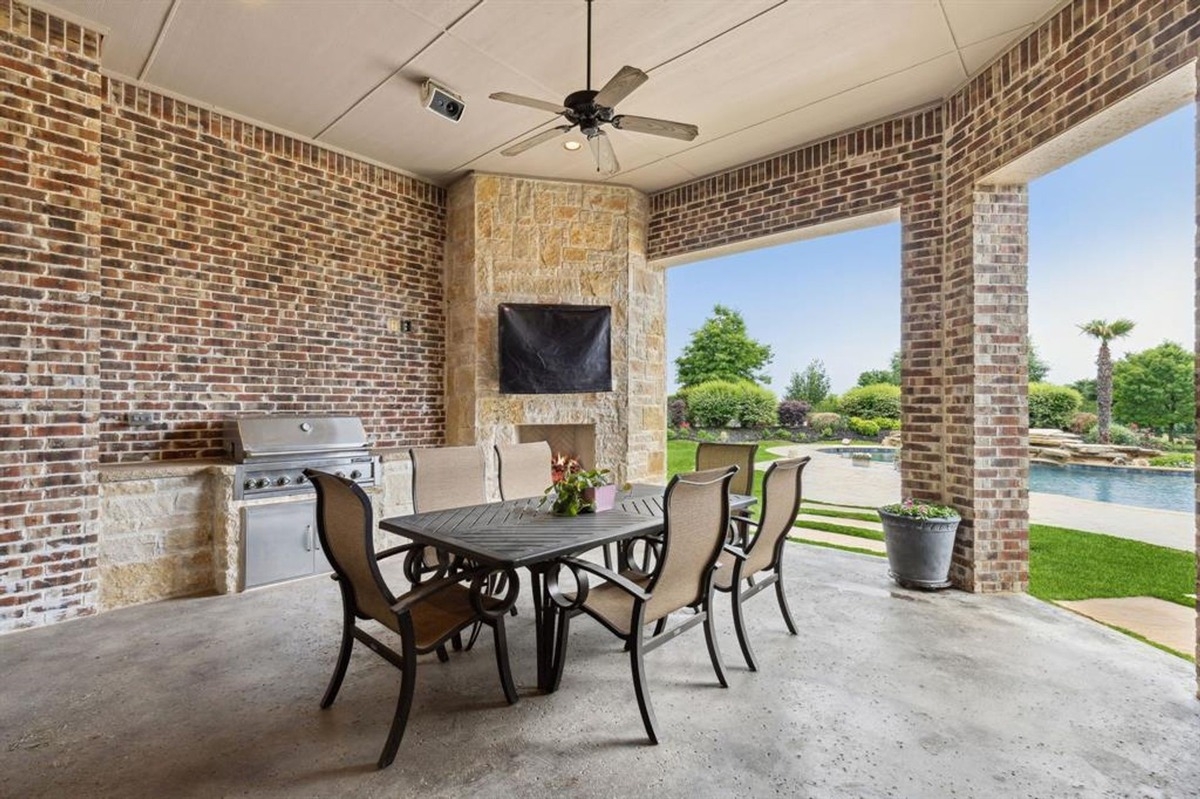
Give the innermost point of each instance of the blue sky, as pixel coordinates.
(1110, 235)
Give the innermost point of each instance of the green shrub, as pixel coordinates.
(1081, 422)
(757, 406)
(827, 405)
(1118, 434)
(721, 403)
(672, 433)
(886, 423)
(1052, 406)
(868, 402)
(826, 421)
(864, 427)
(1175, 460)
(826, 432)
(704, 435)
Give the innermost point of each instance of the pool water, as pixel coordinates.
(1143, 488)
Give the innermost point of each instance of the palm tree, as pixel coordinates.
(1106, 332)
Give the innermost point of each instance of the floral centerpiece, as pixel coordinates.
(574, 489)
(919, 537)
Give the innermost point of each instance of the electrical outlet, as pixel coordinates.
(139, 418)
(393, 324)
(406, 326)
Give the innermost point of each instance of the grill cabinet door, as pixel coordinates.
(280, 542)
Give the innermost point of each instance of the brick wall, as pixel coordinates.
(894, 164)
(244, 271)
(49, 389)
(963, 285)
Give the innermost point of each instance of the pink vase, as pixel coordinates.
(604, 497)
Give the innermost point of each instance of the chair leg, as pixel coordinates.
(343, 660)
(638, 665)
(442, 654)
(456, 642)
(710, 636)
(408, 681)
(500, 641)
(739, 625)
(660, 625)
(783, 604)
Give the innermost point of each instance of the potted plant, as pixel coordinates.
(919, 537)
(580, 491)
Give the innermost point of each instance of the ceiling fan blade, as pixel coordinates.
(620, 86)
(658, 127)
(602, 149)
(531, 102)
(536, 139)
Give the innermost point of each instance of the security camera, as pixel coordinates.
(442, 101)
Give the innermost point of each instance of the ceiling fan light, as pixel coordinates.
(571, 145)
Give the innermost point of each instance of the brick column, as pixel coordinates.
(987, 431)
(49, 324)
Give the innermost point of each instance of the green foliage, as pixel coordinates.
(886, 424)
(1118, 434)
(567, 495)
(825, 420)
(722, 350)
(828, 405)
(721, 403)
(1082, 422)
(873, 377)
(1052, 406)
(868, 402)
(919, 509)
(1086, 387)
(811, 385)
(1037, 368)
(864, 427)
(1175, 460)
(1155, 388)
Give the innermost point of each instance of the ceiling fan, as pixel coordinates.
(588, 110)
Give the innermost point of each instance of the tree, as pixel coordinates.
(1156, 388)
(721, 350)
(1105, 331)
(1086, 387)
(891, 375)
(811, 386)
(1038, 369)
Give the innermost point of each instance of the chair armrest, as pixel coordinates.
(625, 584)
(387, 553)
(425, 590)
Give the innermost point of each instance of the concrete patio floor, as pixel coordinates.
(886, 692)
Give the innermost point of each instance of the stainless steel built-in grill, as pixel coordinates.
(278, 539)
(272, 452)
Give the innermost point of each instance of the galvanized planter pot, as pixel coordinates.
(919, 550)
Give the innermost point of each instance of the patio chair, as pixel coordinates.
(696, 511)
(714, 455)
(447, 477)
(762, 554)
(424, 618)
(524, 469)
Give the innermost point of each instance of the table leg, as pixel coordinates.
(546, 621)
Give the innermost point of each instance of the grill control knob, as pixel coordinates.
(341, 474)
(249, 484)
(282, 481)
(301, 479)
(263, 482)
(354, 475)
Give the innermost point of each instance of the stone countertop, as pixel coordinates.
(144, 470)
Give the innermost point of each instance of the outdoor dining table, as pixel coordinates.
(521, 534)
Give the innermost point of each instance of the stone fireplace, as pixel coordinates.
(513, 239)
(573, 440)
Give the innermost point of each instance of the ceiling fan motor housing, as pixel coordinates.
(583, 111)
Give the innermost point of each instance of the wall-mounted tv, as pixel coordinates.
(555, 349)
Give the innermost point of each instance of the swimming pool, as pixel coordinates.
(1143, 488)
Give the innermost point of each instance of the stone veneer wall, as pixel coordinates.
(522, 240)
(49, 283)
(963, 290)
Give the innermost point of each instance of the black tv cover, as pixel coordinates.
(555, 349)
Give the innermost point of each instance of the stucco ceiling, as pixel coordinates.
(756, 76)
